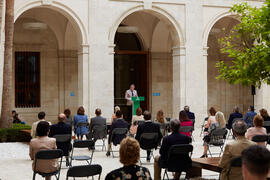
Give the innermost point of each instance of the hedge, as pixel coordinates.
(13, 133)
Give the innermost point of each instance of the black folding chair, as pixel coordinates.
(189, 129)
(235, 162)
(180, 153)
(48, 155)
(205, 120)
(149, 142)
(83, 124)
(84, 171)
(63, 142)
(266, 124)
(120, 132)
(260, 139)
(100, 133)
(89, 144)
(217, 138)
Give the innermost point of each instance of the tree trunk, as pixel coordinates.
(7, 74)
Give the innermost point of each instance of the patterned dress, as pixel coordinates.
(132, 172)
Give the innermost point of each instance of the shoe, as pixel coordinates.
(108, 154)
(204, 156)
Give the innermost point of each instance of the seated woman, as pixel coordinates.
(266, 117)
(258, 129)
(185, 121)
(220, 122)
(161, 121)
(116, 108)
(69, 120)
(80, 117)
(129, 156)
(43, 142)
(135, 119)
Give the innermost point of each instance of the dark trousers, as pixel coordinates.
(129, 115)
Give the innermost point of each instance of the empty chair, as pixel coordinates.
(48, 155)
(117, 135)
(63, 142)
(179, 154)
(149, 142)
(89, 144)
(217, 138)
(84, 171)
(100, 133)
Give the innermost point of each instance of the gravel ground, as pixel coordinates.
(16, 165)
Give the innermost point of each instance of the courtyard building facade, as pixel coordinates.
(87, 52)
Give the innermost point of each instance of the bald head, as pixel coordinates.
(62, 117)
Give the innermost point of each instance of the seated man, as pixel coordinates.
(249, 116)
(96, 121)
(118, 123)
(62, 128)
(43, 142)
(233, 150)
(168, 141)
(190, 115)
(235, 115)
(148, 127)
(255, 163)
(41, 117)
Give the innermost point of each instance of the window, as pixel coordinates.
(27, 79)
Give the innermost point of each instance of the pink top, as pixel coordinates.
(186, 123)
(253, 131)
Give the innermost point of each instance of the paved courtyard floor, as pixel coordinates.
(15, 163)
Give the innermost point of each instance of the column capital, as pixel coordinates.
(84, 49)
(111, 49)
(205, 53)
(179, 51)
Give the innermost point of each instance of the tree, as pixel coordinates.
(7, 73)
(248, 45)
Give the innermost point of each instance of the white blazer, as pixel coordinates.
(128, 96)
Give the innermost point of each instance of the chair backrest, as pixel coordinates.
(168, 119)
(186, 129)
(179, 157)
(260, 138)
(119, 131)
(179, 149)
(218, 136)
(84, 171)
(219, 132)
(140, 122)
(83, 143)
(99, 131)
(149, 141)
(82, 124)
(62, 138)
(266, 123)
(236, 162)
(49, 154)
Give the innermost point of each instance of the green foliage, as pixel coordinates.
(248, 45)
(13, 133)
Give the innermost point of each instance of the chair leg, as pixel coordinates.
(34, 176)
(167, 175)
(164, 174)
(208, 149)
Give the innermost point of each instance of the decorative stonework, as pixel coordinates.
(147, 4)
(47, 2)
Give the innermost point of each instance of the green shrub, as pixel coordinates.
(13, 133)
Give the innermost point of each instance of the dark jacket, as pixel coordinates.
(190, 115)
(148, 127)
(61, 128)
(168, 141)
(232, 117)
(96, 121)
(267, 127)
(118, 123)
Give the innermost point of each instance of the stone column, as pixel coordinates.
(179, 79)
(83, 77)
(101, 71)
(262, 98)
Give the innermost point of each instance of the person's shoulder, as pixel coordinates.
(114, 174)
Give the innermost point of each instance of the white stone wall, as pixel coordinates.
(174, 31)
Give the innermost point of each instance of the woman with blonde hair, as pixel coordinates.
(160, 119)
(220, 123)
(129, 155)
(116, 108)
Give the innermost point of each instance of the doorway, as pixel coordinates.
(131, 66)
